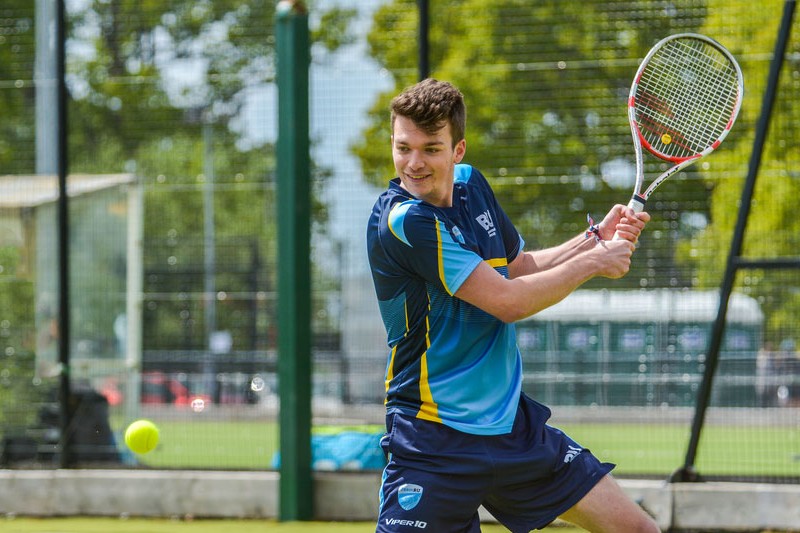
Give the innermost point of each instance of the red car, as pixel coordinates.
(160, 388)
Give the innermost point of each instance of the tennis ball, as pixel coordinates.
(141, 436)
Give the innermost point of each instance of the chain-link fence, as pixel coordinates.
(172, 124)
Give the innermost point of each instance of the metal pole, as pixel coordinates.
(424, 46)
(687, 472)
(209, 256)
(65, 391)
(133, 301)
(45, 75)
(294, 266)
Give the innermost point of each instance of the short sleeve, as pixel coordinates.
(428, 246)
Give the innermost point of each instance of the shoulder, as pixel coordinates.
(464, 173)
(468, 175)
(471, 180)
(402, 216)
(399, 218)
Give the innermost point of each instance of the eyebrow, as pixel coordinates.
(430, 143)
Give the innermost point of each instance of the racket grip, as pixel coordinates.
(637, 204)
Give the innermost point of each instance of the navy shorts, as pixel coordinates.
(437, 477)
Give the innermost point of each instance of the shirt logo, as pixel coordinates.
(457, 234)
(485, 220)
(409, 495)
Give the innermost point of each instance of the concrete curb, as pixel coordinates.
(352, 496)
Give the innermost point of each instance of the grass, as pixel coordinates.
(657, 449)
(214, 444)
(141, 525)
(724, 450)
(653, 449)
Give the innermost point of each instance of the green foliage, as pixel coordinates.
(244, 232)
(16, 96)
(163, 94)
(546, 86)
(333, 31)
(17, 343)
(773, 229)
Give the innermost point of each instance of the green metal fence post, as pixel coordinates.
(294, 272)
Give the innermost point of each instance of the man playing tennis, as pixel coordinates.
(451, 279)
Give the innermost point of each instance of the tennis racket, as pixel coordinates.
(684, 100)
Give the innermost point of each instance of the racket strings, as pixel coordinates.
(685, 98)
(718, 85)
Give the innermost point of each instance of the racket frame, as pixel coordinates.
(639, 198)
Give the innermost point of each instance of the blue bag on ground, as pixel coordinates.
(348, 450)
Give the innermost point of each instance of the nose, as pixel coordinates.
(415, 160)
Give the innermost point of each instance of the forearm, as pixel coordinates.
(530, 288)
(547, 258)
(531, 293)
(527, 294)
(620, 219)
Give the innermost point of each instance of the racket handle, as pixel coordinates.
(637, 204)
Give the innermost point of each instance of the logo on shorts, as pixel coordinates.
(419, 524)
(572, 453)
(409, 495)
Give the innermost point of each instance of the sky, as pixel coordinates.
(343, 87)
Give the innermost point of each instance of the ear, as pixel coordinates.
(460, 150)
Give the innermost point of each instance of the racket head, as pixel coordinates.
(685, 97)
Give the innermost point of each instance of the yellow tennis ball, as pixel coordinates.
(666, 138)
(141, 436)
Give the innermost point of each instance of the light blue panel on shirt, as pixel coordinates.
(397, 217)
(457, 262)
(394, 318)
(462, 173)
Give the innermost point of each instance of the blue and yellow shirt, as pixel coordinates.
(450, 362)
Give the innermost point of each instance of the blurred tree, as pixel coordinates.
(17, 47)
(773, 230)
(18, 397)
(165, 90)
(546, 85)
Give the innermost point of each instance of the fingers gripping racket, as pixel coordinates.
(683, 102)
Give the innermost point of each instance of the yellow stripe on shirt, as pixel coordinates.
(440, 257)
(428, 410)
(389, 374)
(498, 262)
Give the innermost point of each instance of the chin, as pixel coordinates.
(416, 186)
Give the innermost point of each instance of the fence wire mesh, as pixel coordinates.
(172, 116)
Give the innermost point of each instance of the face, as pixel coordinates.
(425, 163)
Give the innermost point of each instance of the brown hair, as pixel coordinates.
(431, 104)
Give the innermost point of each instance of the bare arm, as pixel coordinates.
(530, 262)
(542, 278)
(513, 299)
(621, 218)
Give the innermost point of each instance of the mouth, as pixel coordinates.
(417, 177)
